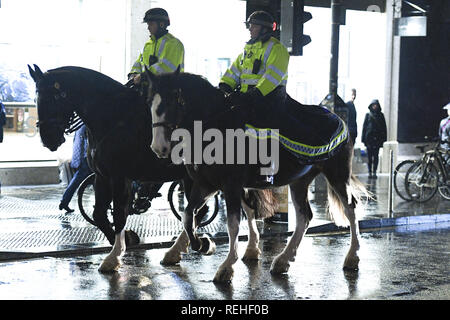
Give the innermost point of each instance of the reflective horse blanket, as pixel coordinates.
(311, 133)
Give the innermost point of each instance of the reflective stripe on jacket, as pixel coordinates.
(272, 72)
(170, 53)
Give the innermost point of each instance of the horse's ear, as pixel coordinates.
(36, 74)
(177, 72)
(151, 76)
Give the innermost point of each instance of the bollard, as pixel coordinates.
(391, 183)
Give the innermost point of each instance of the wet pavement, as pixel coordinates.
(45, 254)
(395, 264)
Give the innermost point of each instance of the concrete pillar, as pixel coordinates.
(390, 107)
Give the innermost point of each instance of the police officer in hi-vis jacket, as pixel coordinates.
(163, 52)
(261, 70)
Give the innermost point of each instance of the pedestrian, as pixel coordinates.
(80, 164)
(374, 134)
(444, 129)
(163, 52)
(444, 135)
(351, 121)
(2, 120)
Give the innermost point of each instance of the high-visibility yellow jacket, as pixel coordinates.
(169, 51)
(272, 72)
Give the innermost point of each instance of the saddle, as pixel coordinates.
(310, 133)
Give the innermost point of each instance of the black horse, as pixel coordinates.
(119, 134)
(119, 130)
(177, 100)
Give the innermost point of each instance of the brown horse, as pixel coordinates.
(178, 100)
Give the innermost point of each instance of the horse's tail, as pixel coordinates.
(356, 193)
(262, 201)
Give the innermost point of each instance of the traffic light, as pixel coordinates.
(293, 17)
(299, 40)
(290, 15)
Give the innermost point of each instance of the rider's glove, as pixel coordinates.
(226, 89)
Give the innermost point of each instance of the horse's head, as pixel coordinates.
(167, 108)
(53, 111)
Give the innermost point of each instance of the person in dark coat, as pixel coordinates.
(374, 134)
(351, 121)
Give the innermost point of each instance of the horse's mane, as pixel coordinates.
(196, 90)
(72, 75)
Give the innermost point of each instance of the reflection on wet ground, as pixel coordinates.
(408, 262)
(395, 264)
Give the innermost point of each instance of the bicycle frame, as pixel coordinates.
(433, 158)
(436, 157)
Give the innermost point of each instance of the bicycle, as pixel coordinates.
(428, 176)
(143, 194)
(400, 174)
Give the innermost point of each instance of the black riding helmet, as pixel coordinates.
(156, 14)
(261, 18)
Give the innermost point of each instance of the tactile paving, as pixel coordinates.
(33, 226)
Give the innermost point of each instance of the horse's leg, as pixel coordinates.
(342, 198)
(181, 244)
(253, 252)
(342, 193)
(197, 199)
(233, 202)
(352, 260)
(103, 197)
(121, 197)
(303, 214)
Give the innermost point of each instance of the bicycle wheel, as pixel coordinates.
(444, 191)
(86, 199)
(399, 178)
(178, 203)
(422, 181)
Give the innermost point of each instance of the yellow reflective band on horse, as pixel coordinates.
(297, 147)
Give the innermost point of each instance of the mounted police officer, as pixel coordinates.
(163, 52)
(256, 83)
(260, 72)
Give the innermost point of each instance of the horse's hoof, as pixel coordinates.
(171, 258)
(131, 238)
(110, 264)
(251, 254)
(224, 275)
(208, 246)
(279, 266)
(196, 245)
(351, 263)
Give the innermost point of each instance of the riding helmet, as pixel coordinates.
(156, 14)
(261, 18)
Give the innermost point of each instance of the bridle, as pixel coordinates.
(180, 106)
(74, 123)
